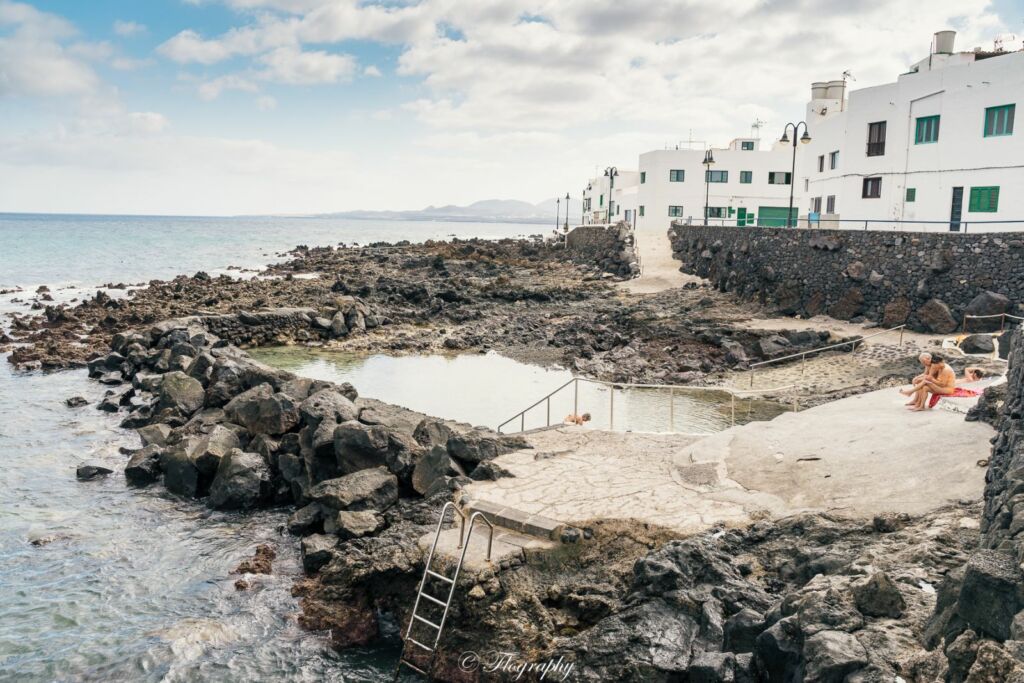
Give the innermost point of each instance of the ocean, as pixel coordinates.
(134, 585)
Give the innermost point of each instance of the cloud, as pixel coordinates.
(34, 60)
(295, 67)
(266, 103)
(212, 89)
(127, 29)
(372, 72)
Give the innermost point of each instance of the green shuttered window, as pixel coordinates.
(999, 120)
(927, 130)
(984, 200)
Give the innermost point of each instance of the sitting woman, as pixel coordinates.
(941, 381)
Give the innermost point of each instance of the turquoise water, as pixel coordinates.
(136, 585)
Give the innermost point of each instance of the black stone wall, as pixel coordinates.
(928, 281)
(610, 247)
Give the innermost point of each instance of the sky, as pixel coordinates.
(225, 107)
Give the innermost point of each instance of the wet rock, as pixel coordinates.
(90, 472)
(354, 524)
(987, 304)
(489, 471)
(212, 448)
(317, 550)
(181, 475)
(879, 596)
(306, 520)
(242, 482)
(479, 445)
(741, 630)
(260, 563)
(154, 434)
(262, 411)
(369, 489)
(180, 394)
(144, 467)
(76, 402)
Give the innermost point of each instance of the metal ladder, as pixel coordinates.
(421, 593)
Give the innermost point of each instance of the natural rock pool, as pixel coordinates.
(488, 389)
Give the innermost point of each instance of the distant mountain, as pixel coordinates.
(484, 211)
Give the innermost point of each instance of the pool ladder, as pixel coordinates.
(438, 628)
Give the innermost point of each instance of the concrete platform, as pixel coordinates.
(855, 457)
(507, 545)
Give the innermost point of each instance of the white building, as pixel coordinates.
(939, 145)
(747, 186)
(600, 196)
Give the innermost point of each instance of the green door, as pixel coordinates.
(774, 216)
(743, 218)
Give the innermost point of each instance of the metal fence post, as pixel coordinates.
(733, 410)
(549, 410)
(522, 421)
(901, 336)
(611, 408)
(576, 397)
(672, 409)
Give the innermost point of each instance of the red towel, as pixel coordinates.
(958, 392)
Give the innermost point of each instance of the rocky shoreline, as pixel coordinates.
(807, 598)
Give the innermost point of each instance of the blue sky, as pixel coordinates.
(295, 106)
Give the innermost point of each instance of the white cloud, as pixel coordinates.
(295, 67)
(33, 60)
(212, 89)
(126, 29)
(266, 103)
(372, 72)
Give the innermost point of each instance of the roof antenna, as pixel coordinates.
(755, 128)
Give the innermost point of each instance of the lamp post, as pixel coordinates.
(586, 204)
(567, 212)
(805, 138)
(709, 160)
(558, 213)
(610, 173)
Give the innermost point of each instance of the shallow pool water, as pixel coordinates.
(491, 390)
(135, 585)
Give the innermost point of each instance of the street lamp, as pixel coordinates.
(558, 213)
(805, 138)
(586, 204)
(567, 212)
(610, 173)
(709, 160)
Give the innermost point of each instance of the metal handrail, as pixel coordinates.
(672, 388)
(802, 355)
(1002, 322)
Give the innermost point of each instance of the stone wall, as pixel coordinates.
(928, 281)
(610, 247)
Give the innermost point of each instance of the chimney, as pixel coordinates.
(942, 43)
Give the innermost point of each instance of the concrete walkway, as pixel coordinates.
(856, 457)
(660, 270)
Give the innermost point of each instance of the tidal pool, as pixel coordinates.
(490, 389)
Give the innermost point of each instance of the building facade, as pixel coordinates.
(603, 203)
(940, 144)
(746, 185)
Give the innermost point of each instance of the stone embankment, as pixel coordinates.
(611, 247)
(928, 281)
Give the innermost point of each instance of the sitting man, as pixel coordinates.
(926, 362)
(940, 382)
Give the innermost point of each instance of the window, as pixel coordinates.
(833, 160)
(872, 188)
(746, 177)
(600, 202)
(779, 178)
(676, 175)
(675, 211)
(641, 211)
(821, 163)
(830, 204)
(716, 176)
(876, 139)
(618, 209)
(927, 130)
(747, 145)
(984, 199)
(816, 205)
(999, 120)
(911, 194)
(716, 212)
(643, 177)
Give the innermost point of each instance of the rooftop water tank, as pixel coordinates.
(818, 90)
(944, 42)
(835, 90)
